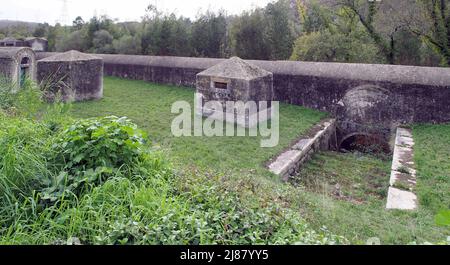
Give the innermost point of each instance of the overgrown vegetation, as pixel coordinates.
(98, 181)
(347, 193)
(344, 192)
(329, 174)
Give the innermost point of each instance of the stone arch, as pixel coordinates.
(366, 102)
(365, 112)
(364, 142)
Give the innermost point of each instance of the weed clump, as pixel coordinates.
(90, 151)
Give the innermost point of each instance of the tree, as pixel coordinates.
(55, 36)
(248, 36)
(279, 33)
(179, 40)
(76, 40)
(41, 30)
(102, 42)
(313, 16)
(78, 23)
(324, 46)
(433, 26)
(209, 35)
(127, 45)
(97, 24)
(366, 11)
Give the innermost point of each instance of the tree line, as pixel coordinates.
(411, 32)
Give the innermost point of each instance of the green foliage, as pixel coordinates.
(328, 173)
(151, 201)
(248, 36)
(23, 160)
(438, 21)
(323, 46)
(96, 181)
(358, 215)
(347, 193)
(167, 35)
(395, 32)
(78, 23)
(19, 101)
(90, 151)
(209, 33)
(127, 45)
(279, 32)
(443, 218)
(340, 39)
(102, 42)
(431, 155)
(76, 40)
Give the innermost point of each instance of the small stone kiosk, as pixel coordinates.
(37, 44)
(235, 80)
(77, 76)
(17, 64)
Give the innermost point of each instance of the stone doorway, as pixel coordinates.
(24, 70)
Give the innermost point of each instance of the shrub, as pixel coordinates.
(92, 150)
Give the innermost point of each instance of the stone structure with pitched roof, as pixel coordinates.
(77, 76)
(236, 80)
(37, 44)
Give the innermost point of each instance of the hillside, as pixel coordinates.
(4, 23)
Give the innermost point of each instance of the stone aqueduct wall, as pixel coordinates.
(363, 97)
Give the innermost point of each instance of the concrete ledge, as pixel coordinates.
(401, 200)
(403, 174)
(288, 163)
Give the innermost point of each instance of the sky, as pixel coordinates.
(51, 11)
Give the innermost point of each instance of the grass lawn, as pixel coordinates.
(346, 193)
(347, 177)
(149, 105)
(432, 157)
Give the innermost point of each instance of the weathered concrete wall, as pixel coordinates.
(392, 94)
(7, 66)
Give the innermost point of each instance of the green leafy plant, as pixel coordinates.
(92, 150)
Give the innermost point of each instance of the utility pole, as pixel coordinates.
(64, 19)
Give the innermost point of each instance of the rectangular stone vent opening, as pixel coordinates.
(221, 85)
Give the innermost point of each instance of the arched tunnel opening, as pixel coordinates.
(365, 143)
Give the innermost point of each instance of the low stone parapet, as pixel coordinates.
(403, 174)
(321, 137)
